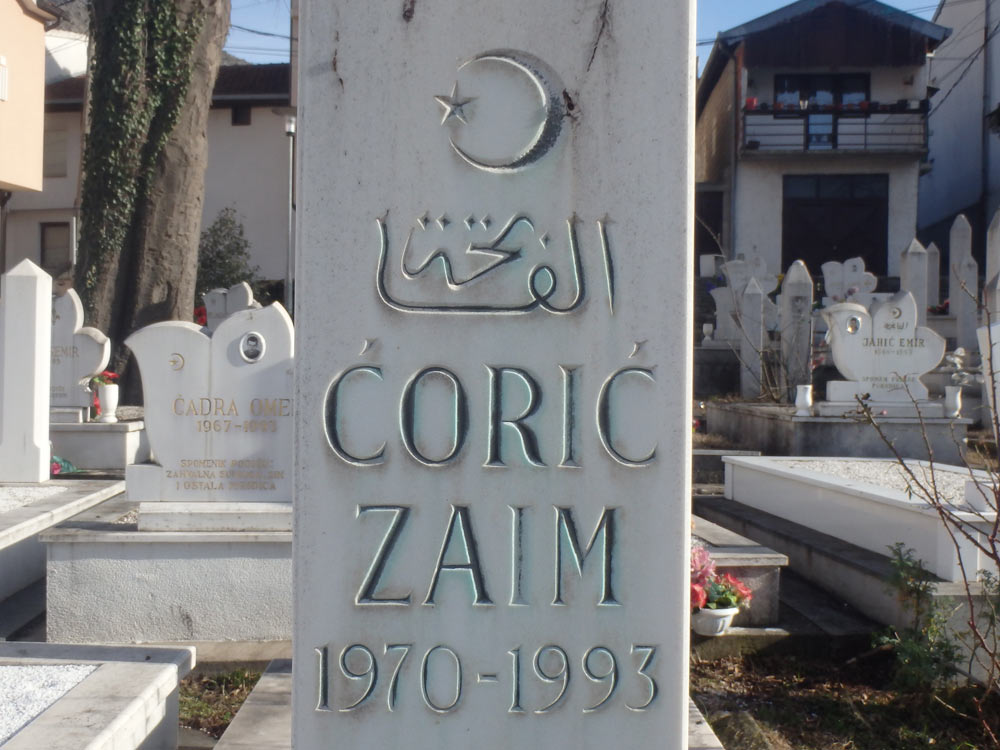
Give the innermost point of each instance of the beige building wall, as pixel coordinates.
(22, 49)
(759, 201)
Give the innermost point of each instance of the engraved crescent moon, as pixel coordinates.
(550, 89)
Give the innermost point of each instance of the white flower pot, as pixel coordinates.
(953, 400)
(803, 400)
(713, 621)
(108, 396)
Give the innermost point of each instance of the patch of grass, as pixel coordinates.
(821, 704)
(209, 702)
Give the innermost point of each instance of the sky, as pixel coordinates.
(271, 17)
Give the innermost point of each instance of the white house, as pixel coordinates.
(248, 169)
(964, 122)
(811, 133)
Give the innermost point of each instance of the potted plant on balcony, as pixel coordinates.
(715, 598)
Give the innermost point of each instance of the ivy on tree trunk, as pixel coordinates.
(151, 81)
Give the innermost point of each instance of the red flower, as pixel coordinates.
(698, 596)
(201, 315)
(742, 590)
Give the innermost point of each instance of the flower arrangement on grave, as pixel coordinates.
(105, 378)
(712, 590)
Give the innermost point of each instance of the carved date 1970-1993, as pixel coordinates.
(551, 665)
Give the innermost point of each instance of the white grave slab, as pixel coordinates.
(882, 353)
(218, 410)
(78, 353)
(25, 308)
(493, 397)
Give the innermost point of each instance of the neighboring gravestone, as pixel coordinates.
(933, 275)
(218, 410)
(752, 341)
(963, 284)
(493, 397)
(78, 353)
(883, 354)
(848, 282)
(993, 248)
(729, 299)
(221, 303)
(26, 310)
(796, 327)
(913, 277)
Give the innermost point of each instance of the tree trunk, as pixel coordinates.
(150, 276)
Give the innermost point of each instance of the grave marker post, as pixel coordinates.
(963, 284)
(26, 312)
(796, 327)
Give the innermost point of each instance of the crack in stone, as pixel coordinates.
(602, 23)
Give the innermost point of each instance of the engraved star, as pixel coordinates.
(636, 347)
(423, 220)
(544, 240)
(470, 221)
(454, 105)
(486, 221)
(443, 221)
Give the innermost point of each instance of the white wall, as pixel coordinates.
(56, 201)
(248, 169)
(956, 153)
(65, 55)
(759, 188)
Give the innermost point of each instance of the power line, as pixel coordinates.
(261, 33)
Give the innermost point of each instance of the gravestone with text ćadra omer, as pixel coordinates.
(493, 386)
(218, 409)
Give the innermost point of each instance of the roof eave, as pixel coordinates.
(932, 31)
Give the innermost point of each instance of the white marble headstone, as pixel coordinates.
(221, 303)
(848, 282)
(963, 284)
(796, 326)
(913, 272)
(492, 417)
(26, 330)
(218, 410)
(78, 353)
(883, 353)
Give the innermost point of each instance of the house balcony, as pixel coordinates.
(867, 128)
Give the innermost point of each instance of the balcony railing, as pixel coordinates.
(897, 128)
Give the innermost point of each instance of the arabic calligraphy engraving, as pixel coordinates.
(499, 251)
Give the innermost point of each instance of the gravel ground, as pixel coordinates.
(26, 691)
(950, 482)
(17, 496)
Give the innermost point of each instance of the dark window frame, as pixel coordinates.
(241, 115)
(43, 249)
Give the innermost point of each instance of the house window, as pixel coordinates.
(57, 247)
(241, 115)
(54, 154)
(835, 217)
(823, 98)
